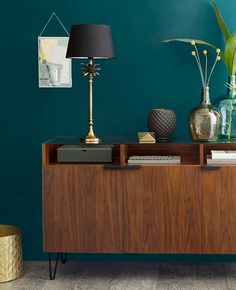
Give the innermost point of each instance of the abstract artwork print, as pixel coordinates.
(54, 67)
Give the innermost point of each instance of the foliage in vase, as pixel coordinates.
(204, 120)
(205, 78)
(228, 54)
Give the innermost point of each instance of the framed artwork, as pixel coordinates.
(54, 67)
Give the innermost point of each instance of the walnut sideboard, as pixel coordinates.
(119, 208)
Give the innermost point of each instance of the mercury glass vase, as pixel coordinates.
(204, 120)
(226, 105)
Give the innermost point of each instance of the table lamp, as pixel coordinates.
(90, 41)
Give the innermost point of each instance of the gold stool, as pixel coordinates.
(11, 263)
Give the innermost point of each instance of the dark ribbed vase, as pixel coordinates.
(162, 122)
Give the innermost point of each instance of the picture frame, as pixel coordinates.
(54, 69)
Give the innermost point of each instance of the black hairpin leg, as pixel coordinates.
(52, 274)
(63, 258)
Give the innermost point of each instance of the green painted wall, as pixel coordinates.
(145, 75)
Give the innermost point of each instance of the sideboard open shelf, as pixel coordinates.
(118, 208)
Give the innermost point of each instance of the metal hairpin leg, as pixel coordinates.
(52, 275)
(63, 258)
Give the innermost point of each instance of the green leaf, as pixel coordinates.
(189, 40)
(230, 54)
(220, 21)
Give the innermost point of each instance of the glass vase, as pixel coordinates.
(226, 105)
(204, 120)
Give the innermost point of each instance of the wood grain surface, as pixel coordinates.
(219, 211)
(123, 154)
(49, 153)
(82, 209)
(161, 209)
(157, 209)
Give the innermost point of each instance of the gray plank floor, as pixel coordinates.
(129, 276)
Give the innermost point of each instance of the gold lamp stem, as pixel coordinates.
(90, 72)
(91, 101)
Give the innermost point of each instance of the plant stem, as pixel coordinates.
(213, 67)
(199, 65)
(230, 119)
(206, 67)
(200, 69)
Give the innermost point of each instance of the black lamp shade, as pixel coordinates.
(90, 40)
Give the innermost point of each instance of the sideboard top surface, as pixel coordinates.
(73, 140)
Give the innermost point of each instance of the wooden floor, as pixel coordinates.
(130, 276)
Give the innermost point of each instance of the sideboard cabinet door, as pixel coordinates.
(219, 211)
(82, 209)
(162, 210)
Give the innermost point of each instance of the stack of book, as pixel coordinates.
(154, 159)
(221, 157)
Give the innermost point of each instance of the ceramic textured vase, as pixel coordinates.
(204, 120)
(162, 122)
(226, 106)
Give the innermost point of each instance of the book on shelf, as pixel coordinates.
(221, 154)
(212, 161)
(154, 159)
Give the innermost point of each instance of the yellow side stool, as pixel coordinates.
(11, 262)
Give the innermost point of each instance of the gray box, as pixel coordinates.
(84, 153)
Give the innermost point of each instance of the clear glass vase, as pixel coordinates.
(226, 105)
(204, 120)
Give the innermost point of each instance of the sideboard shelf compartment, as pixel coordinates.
(189, 153)
(49, 154)
(212, 146)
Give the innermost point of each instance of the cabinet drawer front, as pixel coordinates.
(82, 209)
(162, 210)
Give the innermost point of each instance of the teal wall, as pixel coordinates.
(146, 74)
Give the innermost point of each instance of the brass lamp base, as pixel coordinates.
(90, 140)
